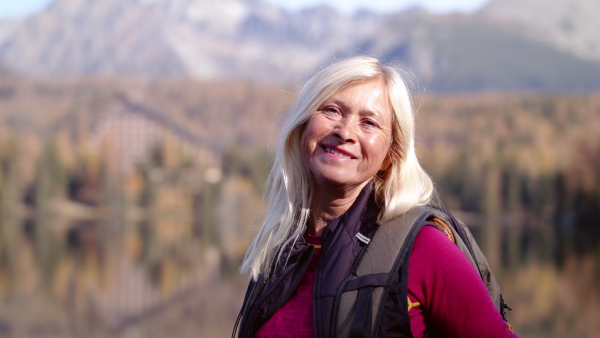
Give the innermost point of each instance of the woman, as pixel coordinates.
(345, 165)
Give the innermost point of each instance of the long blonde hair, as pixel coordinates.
(403, 185)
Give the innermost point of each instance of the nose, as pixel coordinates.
(346, 130)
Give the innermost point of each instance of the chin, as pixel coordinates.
(339, 182)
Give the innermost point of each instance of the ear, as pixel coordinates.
(386, 164)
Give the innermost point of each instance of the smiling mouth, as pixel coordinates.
(331, 151)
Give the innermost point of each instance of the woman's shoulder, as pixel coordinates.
(432, 240)
(435, 256)
(448, 286)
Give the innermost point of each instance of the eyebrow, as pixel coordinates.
(376, 113)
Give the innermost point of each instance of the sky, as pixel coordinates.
(20, 8)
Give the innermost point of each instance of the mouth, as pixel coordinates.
(337, 153)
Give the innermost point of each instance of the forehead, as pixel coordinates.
(370, 93)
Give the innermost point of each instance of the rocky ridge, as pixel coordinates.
(493, 49)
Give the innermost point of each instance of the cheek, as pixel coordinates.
(314, 131)
(307, 139)
(378, 147)
(378, 150)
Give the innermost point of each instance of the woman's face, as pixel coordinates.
(346, 141)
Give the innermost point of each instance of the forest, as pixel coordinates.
(97, 242)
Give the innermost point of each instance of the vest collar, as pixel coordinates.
(360, 220)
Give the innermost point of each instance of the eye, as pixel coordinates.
(370, 123)
(330, 110)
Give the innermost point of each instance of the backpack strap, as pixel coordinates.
(360, 298)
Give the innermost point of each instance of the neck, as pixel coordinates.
(328, 205)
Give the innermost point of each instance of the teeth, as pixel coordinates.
(329, 150)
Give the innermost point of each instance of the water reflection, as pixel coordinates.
(554, 289)
(160, 277)
(97, 276)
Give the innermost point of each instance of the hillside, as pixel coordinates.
(252, 40)
(470, 55)
(527, 163)
(571, 26)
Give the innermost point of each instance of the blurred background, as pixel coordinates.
(136, 137)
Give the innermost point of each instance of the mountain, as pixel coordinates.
(77, 37)
(569, 25)
(175, 38)
(458, 54)
(253, 40)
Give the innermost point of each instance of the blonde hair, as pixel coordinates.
(402, 186)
